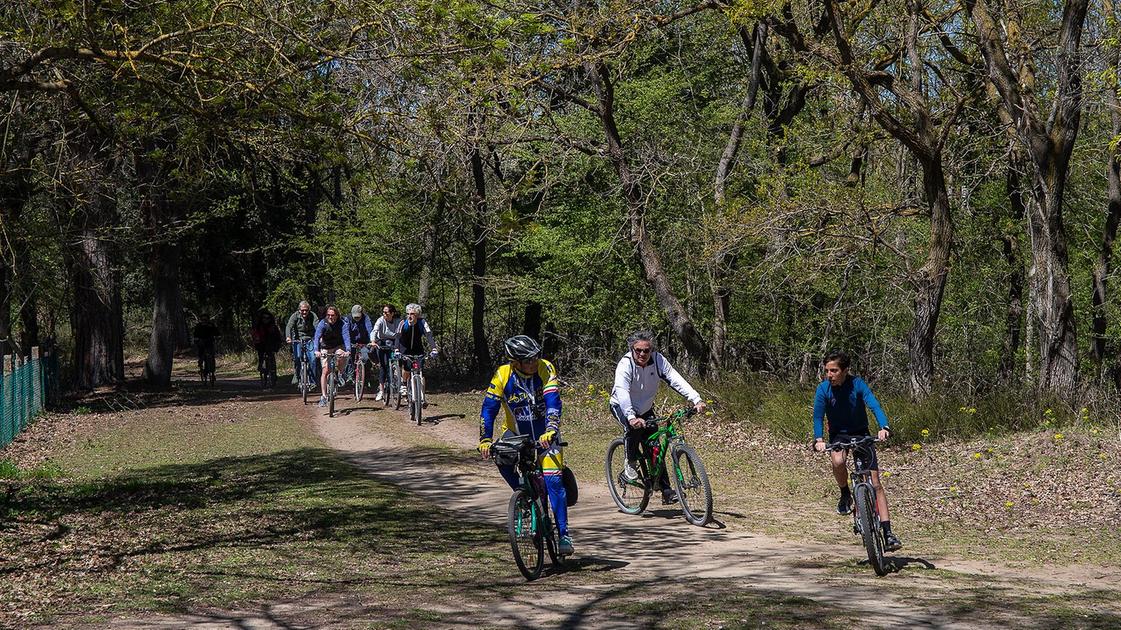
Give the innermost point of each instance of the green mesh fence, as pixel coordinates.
(28, 385)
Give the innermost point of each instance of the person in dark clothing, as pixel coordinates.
(267, 339)
(844, 400)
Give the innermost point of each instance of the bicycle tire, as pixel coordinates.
(332, 389)
(526, 541)
(873, 542)
(359, 379)
(631, 497)
(552, 534)
(397, 392)
(691, 481)
(417, 386)
(305, 380)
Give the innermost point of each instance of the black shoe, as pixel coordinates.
(669, 497)
(891, 543)
(844, 505)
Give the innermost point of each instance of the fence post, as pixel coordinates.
(37, 380)
(6, 405)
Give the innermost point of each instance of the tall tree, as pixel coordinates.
(1048, 139)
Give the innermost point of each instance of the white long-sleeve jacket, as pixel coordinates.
(635, 387)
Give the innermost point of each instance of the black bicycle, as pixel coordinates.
(528, 519)
(266, 368)
(866, 520)
(303, 369)
(206, 362)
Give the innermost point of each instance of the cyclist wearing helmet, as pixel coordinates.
(637, 377)
(527, 390)
(411, 334)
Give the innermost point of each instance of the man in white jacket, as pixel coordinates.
(637, 377)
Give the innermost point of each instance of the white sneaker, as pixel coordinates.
(380, 395)
(404, 391)
(629, 473)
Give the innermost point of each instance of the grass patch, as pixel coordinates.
(168, 514)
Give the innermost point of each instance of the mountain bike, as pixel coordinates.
(206, 363)
(528, 520)
(687, 471)
(303, 368)
(866, 521)
(334, 377)
(416, 387)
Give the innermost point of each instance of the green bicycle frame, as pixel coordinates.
(660, 441)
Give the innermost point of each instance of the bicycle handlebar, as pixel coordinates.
(680, 414)
(851, 444)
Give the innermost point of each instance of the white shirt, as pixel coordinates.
(635, 387)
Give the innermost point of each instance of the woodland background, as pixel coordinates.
(933, 186)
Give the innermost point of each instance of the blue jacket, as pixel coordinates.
(359, 331)
(845, 407)
(339, 328)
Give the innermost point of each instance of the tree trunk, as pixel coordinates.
(532, 325)
(1011, 247)
(930, 282)
(721, 265)
(648, 257)
(5, 303)
(479, 247)
(1048, 140)
(165, 314)
(96, 316)
(1112, 215)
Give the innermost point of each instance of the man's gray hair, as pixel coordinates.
(304, 303)
(640, 335)
(412, 308)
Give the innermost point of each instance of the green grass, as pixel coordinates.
(166, 515)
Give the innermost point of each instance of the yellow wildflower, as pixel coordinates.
(926, 432)
(976, 456)
(916, 447)
(1058, 436)
(1008, 504)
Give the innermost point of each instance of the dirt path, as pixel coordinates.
(649, 558)
(660, 546)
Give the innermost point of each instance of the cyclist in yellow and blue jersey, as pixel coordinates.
(527, 392)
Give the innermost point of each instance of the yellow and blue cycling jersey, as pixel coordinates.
(531, 402)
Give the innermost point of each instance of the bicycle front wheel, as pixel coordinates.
(332, 389)
(359, 380)
(417, 395)
(630, 496)
(305, 380)
(525, 536)
(693, 489)
(873, 540)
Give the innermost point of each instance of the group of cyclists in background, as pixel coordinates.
(525, 391)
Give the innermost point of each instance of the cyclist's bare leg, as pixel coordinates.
(323, 378)
(881, 497)
(405, 376)
(840, 472)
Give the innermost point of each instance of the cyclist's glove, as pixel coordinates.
(484, 445)
(433, 354)
(547, 436)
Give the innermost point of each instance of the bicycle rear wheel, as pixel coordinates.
(693, 489)
(525, 536)
(630, 496)
(873, 540)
